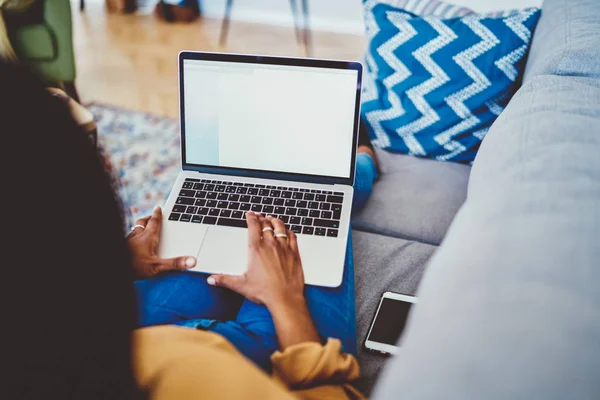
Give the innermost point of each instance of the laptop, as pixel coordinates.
(273, 135)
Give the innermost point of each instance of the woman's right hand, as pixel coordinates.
(274, 274)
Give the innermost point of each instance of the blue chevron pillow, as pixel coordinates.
(433, 86)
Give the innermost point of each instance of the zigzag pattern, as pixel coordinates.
(507, 63)
(417, 93)
(412, 119)
(386, 51)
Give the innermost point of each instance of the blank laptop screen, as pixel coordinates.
(269, 117)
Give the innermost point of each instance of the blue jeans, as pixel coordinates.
(185, 299)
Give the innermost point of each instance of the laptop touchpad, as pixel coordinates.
(224, 250)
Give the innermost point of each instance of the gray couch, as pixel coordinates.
(509, 251)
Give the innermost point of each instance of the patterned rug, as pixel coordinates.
(144, 154)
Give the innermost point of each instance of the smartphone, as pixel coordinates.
(388, 323)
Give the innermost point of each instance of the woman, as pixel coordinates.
(69, 307)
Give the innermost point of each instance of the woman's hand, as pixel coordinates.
(274, 278)
(143, 243)
(274, 274)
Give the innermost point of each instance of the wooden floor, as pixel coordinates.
(131, 60)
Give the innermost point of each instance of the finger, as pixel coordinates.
(293, 242)
(143, 221)
(279, 228)
(266, 229)
(175, 264)
(230, 282)
(254, 228)
(155, 221)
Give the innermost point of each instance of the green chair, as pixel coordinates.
(42, 38)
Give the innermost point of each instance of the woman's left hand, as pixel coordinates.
(143, 243)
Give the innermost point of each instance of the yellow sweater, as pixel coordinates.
(183, 363)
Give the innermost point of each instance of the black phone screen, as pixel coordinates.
(390, 321)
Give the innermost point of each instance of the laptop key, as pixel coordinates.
(326, 214)
(295, 220)
(178, 209)
(198, 186)
(297, 195)
(209, 187)
(256, 199)
(260, 186)
(338, 193)
(263, 192)
(200, 202)
(174, 217)
(279, 202)
(286, 195)
(335, 199)
(203, 211)
(279, 210)
(267, 200)
(308, 230)
(192, 180)
(249, 184)
(326, 223)
(324, 206)
(302, 204)
(302, 212)
(185, 218)
(234, 197)
(185, 200)
(238, 223)
(211, 195)
(253, 191)
(200, 194)
(268, 209)
(187, 193)
(241, 190)
(290, 203)
(187, 185)
(307, 221)
(256, 208)
(314, 214)
(225, 213)
(222, 204)
(332, 232)
(313, 204)
(337, 215)
(192, 210)
(197, 219)
(284, 218)
(336, 207)
(238, 184)
(214, 212)
(296, 228)
(210, 220)
(220, 188)
(244, 206)
(245, 199)
(233, 205)
(320, 197)
(275, 193)
(290, 211)
(230, 189)
(237, 214)
(309, 196)
(320, 231)
(222, 196)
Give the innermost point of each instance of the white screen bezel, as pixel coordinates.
(383, 347)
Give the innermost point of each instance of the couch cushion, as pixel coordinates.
(566, 40)
(509, 307)
(382, 263)
(414, 198)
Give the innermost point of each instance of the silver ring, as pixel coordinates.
(137, 226)
(267, 228)
(281, 235)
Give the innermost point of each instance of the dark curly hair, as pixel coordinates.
(68, 308)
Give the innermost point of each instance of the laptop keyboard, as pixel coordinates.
(304, 211)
